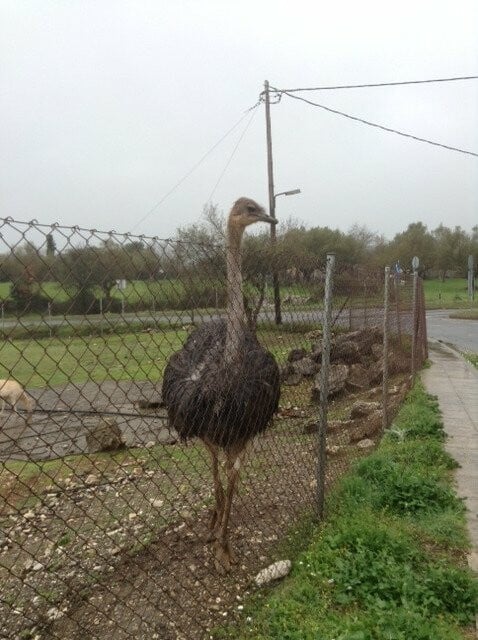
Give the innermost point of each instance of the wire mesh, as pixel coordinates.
(104, 509)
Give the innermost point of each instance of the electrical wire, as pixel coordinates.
(254, 111)
(379, 126)
(193, 168)
(376, 84)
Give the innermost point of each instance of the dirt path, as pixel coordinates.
(51, 435)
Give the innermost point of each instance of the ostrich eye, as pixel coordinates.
(250, 208)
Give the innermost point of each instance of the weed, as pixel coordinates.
(388, 563)
(401, 490)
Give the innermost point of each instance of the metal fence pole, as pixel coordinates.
(386, 295)
(324, 382)
(424, 321)
(414, 323)
(397, 309)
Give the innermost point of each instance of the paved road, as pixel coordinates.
(462, 334)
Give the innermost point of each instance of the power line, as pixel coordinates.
(379, 126)
(376, 84)
(254, 111)
(193, 168)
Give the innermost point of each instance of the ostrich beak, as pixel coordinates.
(263, 217)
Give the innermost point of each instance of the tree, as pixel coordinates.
(416, 240)
(451, 249)
(88, 268)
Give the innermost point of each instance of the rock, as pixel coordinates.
(105, 435)
(338, 425)
(305, 367)
(333, 450)
(367, 427)
(361, 408)
(167, 436)
(296, 354)
(376, 392)
(397, 363)
(311, 427)
(377, 351)
(365, 444)
(358, 378)
(273, 572)
(363, 338)
(156, 503)
(346, 352)
(338, 374)
(53, 614)
(292, 379)
(316, 353)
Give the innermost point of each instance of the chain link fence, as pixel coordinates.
(104, 509)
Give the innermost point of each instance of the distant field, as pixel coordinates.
(451, 294)
(163, 290)
(166, 294)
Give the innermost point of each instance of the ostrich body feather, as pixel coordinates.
(212, 398)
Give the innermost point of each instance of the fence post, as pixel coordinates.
(414, 323)
(386, 295)
(397, 308)
(101, 317)
(423, 316)
(324, 382)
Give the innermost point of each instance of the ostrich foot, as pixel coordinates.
(224, 557)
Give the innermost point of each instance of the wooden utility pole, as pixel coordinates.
(272, 203)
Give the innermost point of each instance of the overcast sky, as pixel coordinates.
(107, 104)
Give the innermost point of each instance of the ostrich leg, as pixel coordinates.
(224, 554)
(216, 513)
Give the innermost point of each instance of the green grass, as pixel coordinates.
(388, 563)
(451, 294)
(473, 358)
(130, 356)
(466, 314)
(54, 361)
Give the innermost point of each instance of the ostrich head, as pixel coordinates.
(246, 211)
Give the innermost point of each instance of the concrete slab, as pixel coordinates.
(455, 382)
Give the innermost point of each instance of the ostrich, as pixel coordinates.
(223, 386)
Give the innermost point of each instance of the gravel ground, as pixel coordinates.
(119, 548)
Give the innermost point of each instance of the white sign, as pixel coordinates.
(121, 284)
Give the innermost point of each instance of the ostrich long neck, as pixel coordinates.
(235, 301)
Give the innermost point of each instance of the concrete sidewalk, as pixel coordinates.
(455, 383)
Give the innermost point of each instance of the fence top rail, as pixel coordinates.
(126, 235)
